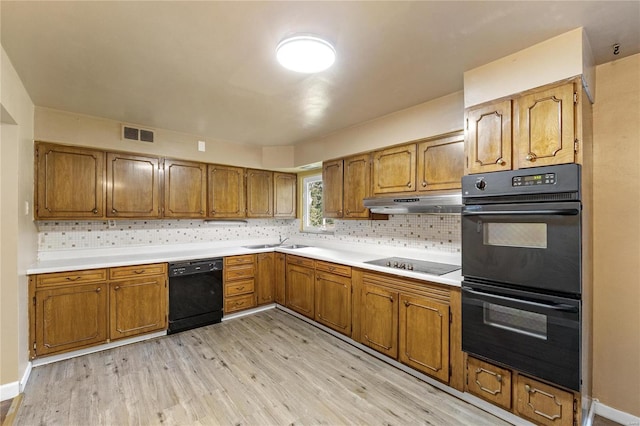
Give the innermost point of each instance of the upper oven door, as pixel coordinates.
(527, 245)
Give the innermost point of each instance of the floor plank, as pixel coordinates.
(265, 369)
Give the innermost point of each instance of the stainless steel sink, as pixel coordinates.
(262, 246)
(294, 246)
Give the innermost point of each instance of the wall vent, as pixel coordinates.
(135, 134)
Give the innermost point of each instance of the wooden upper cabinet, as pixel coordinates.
(357, 185)
(488, 137)
(185, 189)
(69, 182)
(394, 170)
(285, 198)
(259, 193)
(441, 162)
(226, 191)
(132, 186)
(332, 189)
(545, 132)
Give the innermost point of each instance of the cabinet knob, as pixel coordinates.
(527, 388)
(116, 288)
(409, 185)
(98, 290)
(500, 162)
(114, 211)
(348, 212)
(530, 157)
(406, 303)
(94, 211)
(424, 183)
(201, 211)
(499, 378)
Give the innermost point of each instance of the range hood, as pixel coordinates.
(428, 204)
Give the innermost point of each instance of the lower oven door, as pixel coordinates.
(533, 333)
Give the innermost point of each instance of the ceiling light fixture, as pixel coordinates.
(305, 53)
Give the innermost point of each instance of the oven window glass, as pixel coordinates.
(523, 322)
(529, 235)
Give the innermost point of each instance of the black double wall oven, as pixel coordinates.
(521, 261)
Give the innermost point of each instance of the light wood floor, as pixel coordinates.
(266, 369)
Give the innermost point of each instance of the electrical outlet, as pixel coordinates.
(201, 146)
(26, 208)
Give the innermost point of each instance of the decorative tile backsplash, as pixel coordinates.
(433, 232)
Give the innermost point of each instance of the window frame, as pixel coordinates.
(328, 225)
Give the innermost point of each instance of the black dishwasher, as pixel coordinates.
(195, 294)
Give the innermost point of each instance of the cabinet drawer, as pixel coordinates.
(137, 271)
(489, 382)
(239, 287)
(239, 272)
(65, 278)
(239, 260)
(333, 268)
(543, 404)
(238, 303)
(300, 261)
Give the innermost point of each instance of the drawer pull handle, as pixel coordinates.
(527, 388)
(73, 279)
(499, 378)
(139, 271)
(240, 288)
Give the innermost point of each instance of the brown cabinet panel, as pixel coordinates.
(300, 289)
(68, 278)
(333, 268)
(357, 185)
(226, 191)
(488, 138)
(70, 317)
(238, 287)
(332, 189)
(546, 127)
(424, 336)
(333, 301)
(379, 319)
(543, 404)
(238, 303)
(239, 272)
(280, 277)
(69, 182)
(489, 382)
(185, 189)
(137, 306)
(244, 259)
(137, 271)
(265, 278)
(239, 282)
(133, 188)
(441, 163)
(259, 193)
(394, 170)
(285, 198)
(300, 261)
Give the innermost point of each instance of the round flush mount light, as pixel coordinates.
(305, 53)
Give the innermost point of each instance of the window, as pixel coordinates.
(312, 220)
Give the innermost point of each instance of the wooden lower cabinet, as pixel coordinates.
(280, 272)
(544, 404)
(379, 319)
(424, 335)
(300, 285)
(137, 306)
(333, 301)
(265, 278)
(489, 382)
(239, 275)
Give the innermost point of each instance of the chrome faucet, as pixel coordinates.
(281, 240)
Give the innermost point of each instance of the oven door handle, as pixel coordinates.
(563, 307)
(562, 212)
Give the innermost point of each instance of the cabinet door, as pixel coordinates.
(72, 317)
(545, 132)
(543, 404)
(69, 182)
(441, 163)
(265, 278)
(300, 289)
(489, 382)
(284, 195)
(185, 189)
(357, 185)
(424, 336)
(394, 170)
(226, 191)
(137, 306)
(132, 186)
(259, 193)
(332, 190)
(333, 301)
(379, 319)
(488, 138)
(280, 277)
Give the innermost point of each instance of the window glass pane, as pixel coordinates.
(529, 235)
(312, 215)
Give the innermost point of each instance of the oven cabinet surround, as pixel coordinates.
(300, 285)
(540, 127)
(265, 278)
(74, 310)
(415, 322)
(532, 399)
(73, 182)
(239, 276)
(333, 296)
(431, 164)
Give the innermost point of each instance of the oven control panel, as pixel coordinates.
(530, 180)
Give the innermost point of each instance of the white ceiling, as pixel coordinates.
(208, 68)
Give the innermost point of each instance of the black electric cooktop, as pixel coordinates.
(422, 266)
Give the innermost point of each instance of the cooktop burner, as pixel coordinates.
(423, 266)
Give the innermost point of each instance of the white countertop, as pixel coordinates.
(352, 255)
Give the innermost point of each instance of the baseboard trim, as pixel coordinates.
(248, 312)
(25, 376)
(9, 390)
(617, 416)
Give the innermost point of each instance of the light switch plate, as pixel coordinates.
(201, 146)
